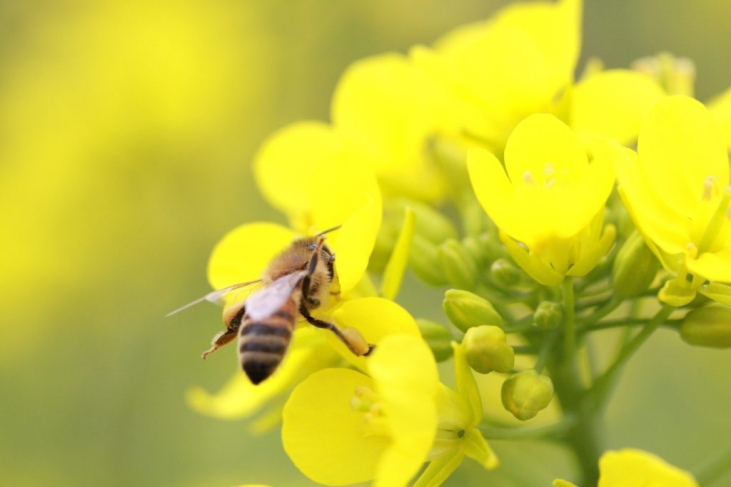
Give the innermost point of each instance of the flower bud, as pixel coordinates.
(487, 350)
(457, 264)
(476, 247)
(709, 326)
(465, 310)
(526, 393)
(634, 268)
(548, 315)
(505, 273)
(424, 261)
(438, 337)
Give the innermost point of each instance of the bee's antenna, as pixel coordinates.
(327, 231)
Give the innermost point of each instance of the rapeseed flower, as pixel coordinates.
(676, 190)
(342, 426)
(549, 200)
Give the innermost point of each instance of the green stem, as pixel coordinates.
(600, 313)
(546, 349)
(569, 318)
(714, 468)
(601, 388)
(552, 431)
(584, 437)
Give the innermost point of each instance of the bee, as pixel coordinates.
(297, 281)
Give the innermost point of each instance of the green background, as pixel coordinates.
(126, 134)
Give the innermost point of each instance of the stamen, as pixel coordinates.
(528, 178)
(716, 222)
(708, 188)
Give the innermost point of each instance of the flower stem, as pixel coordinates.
(569, 318)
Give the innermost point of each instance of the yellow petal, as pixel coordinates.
(353, 244)
(376, 319)
(613, 104)
(491, 186)
(679, 147)
(239, 398)
(556, 28)
(657, 222)
(343, 191)
(394, 272)
(406, 378)
(714, 266)
(285, 162)
(546, 148)
(563, 483)
(326, 439)
(245, 251)
(636, 468)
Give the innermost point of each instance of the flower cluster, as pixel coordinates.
(543, 202)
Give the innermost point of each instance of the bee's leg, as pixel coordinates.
(222, 338)
(349, 336)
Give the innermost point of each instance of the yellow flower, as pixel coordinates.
(389, 109)
(549, 205)
(636, 468)
(522, 62)
(343, 427)
(676, 190)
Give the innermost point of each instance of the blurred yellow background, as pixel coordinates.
(126, 134)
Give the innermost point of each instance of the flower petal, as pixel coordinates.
(476, 448)
(466, 385)
(613, 104)
(376, 318)
(406, 378)
(326, 439)
(636, 468)
(283, 165)
(245, 251)
(714, 266)
(679, 147)
(239, 398)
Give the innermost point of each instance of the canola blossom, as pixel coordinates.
(546, 207)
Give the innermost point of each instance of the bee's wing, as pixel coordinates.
(270, 299)
(215, 297)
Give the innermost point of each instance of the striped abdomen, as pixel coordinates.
(263, 343)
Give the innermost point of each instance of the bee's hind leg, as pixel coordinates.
(219, 340)
(351, 337)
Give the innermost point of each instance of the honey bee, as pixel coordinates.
(297, 281)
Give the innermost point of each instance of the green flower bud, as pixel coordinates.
(457, 264)
(476, 247)
(487, 350)
(526, 393)
(634, 268)
(548, 315)
(466, 310)
(709, 326)
(430, 223)
(438, 337)
(424, 261)
(505, 273)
